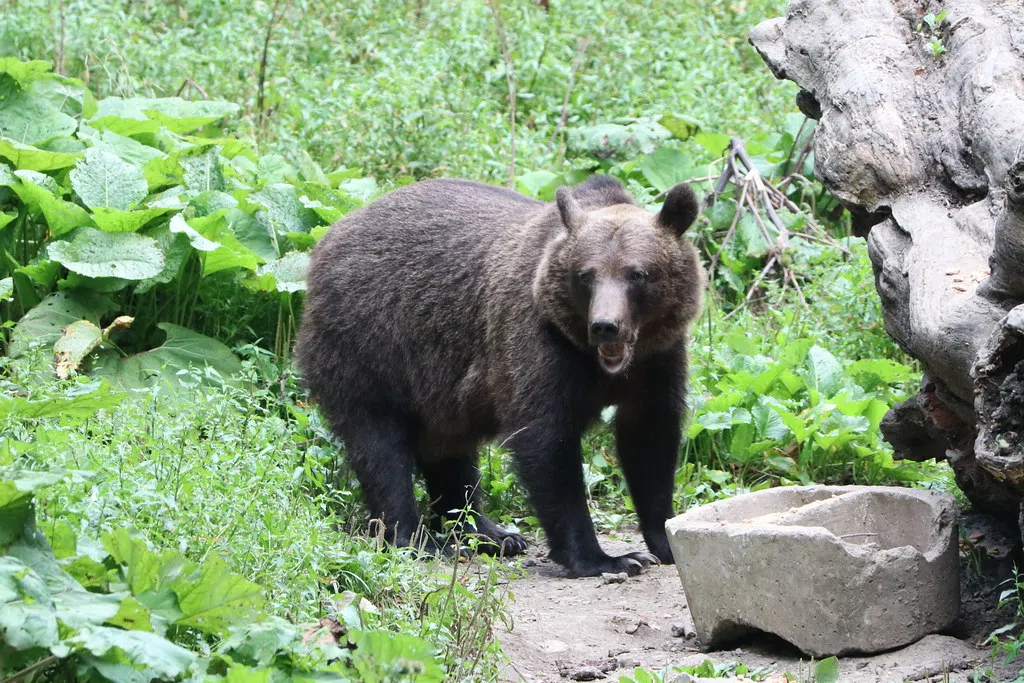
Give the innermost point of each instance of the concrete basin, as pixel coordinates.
(832, 569)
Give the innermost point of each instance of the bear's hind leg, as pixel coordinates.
(381, 450)
(453, 484)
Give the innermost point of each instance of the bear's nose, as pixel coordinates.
(604, 331)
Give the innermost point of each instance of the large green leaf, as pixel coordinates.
(103, 179)
(60, 215)
(666, 167)
(620, 141)
(115, 220)
(84, 402)
(136, 115)
(179, 225)
(284, 210)
(125, 255)
(28, 617)
(42, 325)
(162, 658)
(126, 148)
(216, 599)
(27, 156)
(330, 205)
(25, 72)
(824, 373)
(27, 118)
(183, 349)
(202, 170)
(286, 274)
(232, 253)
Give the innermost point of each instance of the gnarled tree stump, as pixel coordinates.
(921, 134)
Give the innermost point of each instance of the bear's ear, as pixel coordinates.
(573, 215)
(679, 210)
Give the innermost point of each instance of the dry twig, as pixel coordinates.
(759, 196)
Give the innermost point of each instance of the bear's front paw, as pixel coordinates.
(630, 563)
(505, 544)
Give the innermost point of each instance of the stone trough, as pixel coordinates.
(832, 569)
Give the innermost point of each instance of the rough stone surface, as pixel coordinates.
(831, 569)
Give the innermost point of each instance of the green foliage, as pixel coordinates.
(149, 202)
(416, 87)
(188, 602)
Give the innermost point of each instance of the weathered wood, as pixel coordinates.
(927, 150)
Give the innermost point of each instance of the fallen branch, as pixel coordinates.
(762, 199)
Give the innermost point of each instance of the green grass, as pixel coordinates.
(374, 85)
(787, 389)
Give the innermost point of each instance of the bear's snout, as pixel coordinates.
(604, 331)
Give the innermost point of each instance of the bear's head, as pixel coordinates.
(618, 280)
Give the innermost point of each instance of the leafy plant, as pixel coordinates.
(143, 203)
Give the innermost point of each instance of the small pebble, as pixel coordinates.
(585, 673)
(607, 577)
(628, 662)
(616, 651)
(530, 562)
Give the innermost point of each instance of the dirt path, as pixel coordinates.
(564, 629)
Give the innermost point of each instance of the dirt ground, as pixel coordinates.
(582, 629)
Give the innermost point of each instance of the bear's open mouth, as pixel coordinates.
(614, 357)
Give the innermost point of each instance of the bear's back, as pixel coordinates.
(395, 307)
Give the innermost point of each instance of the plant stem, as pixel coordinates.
(510, 78)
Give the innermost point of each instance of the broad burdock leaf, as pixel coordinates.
(329, 205)
(162, 658)
(681, 126)
(130, 116)
(27, 156)
(115, 220)
(125, 255)
(214, 599)
(25, 72)
(288, 273)
(178, 225)
(38, 178)
(62, 216)
(83, 405)
(284, 211)
(183, 349)
(103, 179)
(534, 182)
(27, 118)
(6, 289)
(127, 149)
(666, 167)
(28, 617)
(43, 324)
(232, 253)
(7, 177)
(824, 373)
(202, 169)
(76, 342)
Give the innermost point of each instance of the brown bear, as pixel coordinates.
(448, 312)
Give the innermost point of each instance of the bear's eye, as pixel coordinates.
(586, 277)
(638, 275)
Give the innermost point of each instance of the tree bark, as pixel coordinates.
(921, 134)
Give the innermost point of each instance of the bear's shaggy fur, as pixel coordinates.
(448, 313)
